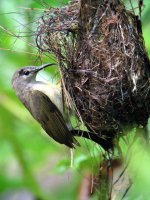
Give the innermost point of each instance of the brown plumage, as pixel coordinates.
(44, 102)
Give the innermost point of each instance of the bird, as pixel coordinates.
(44, 101)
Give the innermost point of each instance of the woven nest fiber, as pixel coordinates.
(103, 61)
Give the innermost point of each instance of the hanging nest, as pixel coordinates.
(103, 61)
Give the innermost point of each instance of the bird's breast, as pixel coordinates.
(52, 91)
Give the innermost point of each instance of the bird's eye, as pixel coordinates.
(26, 72)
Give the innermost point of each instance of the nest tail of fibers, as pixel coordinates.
(103, 61)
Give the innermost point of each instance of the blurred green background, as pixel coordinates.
(32, 166)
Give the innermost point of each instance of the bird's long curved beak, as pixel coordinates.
(44, 66)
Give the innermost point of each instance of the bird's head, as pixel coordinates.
(26, 75)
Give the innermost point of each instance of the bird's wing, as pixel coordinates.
(50, 118)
